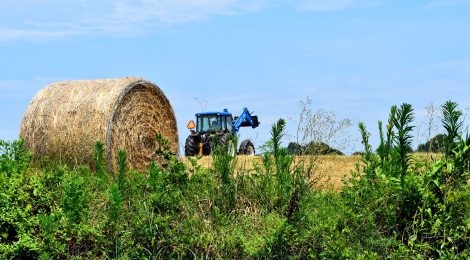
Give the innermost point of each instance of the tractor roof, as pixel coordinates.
(214, 113)
(223, 113)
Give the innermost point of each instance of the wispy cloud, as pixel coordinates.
(171, 11)
(335, 5)
(32, 19)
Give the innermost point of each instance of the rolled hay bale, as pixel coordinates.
(66, 119)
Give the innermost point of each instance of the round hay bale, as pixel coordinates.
(65, 120)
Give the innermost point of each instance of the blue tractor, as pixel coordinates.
(218, 128)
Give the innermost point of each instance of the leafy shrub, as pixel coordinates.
(426, 211)
(312, 148)
(434, 145)
(394, 206)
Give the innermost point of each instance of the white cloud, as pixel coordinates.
(44, 19)
(334, 5)
(172, 11)
(33, 19)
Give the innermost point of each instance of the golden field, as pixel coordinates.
(329, 169)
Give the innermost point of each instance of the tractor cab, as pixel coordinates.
(214, 122)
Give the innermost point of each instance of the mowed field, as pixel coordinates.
(329, 170)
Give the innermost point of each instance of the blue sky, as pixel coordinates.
(355, 58)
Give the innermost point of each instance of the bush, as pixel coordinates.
(434, 145)
(312, 148)
(394, 206)
(425, 211)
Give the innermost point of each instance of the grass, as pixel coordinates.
(394, 205)
(332, 170)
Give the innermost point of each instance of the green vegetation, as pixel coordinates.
(434, 145)
(313, 148)
(393, 207)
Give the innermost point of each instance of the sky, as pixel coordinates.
(355, 58)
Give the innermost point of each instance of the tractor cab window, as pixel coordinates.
(208, 123)
(228, 123)
(224, 123)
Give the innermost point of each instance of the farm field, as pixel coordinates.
(330, 169)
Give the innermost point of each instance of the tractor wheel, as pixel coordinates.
(247, 148)
(191, 147)
(225, 140)
(207, 147)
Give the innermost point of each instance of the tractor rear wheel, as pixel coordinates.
(247, 148)
(207, 146)
(191, 146)
(226, 141)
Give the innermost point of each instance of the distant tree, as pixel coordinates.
(294, 148)
(358, 153)
(313, 148)
(321, 148)
(434, 145)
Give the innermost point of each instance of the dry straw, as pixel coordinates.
(65, 120)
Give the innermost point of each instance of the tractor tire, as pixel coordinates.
(247, 148)
(207, 147)
(226, 140)
(191, 147)
(221, 139)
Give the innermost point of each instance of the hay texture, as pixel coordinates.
(65, 120)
